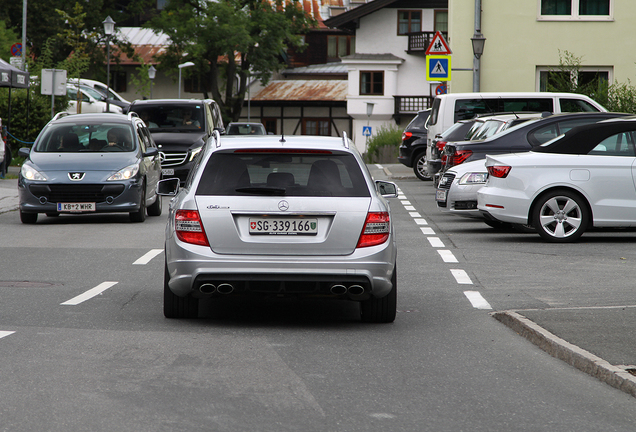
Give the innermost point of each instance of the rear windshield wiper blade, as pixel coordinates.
(262, 190)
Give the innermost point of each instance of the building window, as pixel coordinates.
(270, 125)
(584, 76)
(316, 127)
(372, 83)
(192, 84)
(409, 22)
(340, 46)
(118, 81)
(586, 10)
(441, 21)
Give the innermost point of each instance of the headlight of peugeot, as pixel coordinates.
(195, 152)
(125, 173)
(30, 173)
(473, 178)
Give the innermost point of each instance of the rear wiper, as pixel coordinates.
(262, 190)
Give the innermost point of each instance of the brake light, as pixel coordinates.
(499, 171)
(406, 135)
(376, 230)
(189, 229)
(440, 145)
(458, 157)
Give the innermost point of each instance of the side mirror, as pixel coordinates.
(24, 152)
(168, 187)
(151, 152)
(386, 189)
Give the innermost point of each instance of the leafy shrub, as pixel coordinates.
(383, 146)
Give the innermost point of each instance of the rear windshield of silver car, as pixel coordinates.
(86, 137)
(265, 172)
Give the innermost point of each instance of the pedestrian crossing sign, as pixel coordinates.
(438, 68)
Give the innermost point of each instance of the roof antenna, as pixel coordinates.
(282, 138)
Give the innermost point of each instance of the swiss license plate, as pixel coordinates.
(440, 195)
(283, 226)
(167, 171)
(76, 207)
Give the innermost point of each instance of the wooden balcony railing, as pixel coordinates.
(411, 104)
(419, 42)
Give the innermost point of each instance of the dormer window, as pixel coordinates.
(409, 21)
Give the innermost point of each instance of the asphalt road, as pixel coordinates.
(111, 362)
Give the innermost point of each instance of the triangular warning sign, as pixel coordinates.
(438, 69)
(438, 45)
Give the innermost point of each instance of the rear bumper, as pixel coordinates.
(190, 266)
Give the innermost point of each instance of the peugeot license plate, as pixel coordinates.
(283, 226)
(76, 207)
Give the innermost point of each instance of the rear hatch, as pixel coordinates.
(283, 203)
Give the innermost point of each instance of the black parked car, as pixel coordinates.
(457, 132)
(521, 138)
(413, 147)
(180, 127)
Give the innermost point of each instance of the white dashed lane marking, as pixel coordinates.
(5, 333)
(89, 294)
(461, 277)
(147, 257)
(475, 298)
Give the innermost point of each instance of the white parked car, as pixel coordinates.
(113, 96)
(92, 101)
(584, 178)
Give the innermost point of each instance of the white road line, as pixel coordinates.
(461, 276)
(89, 294)
(405, 202)
(435, 242)
(409, 208)
(379, 166)
(447, 256)
(415, 215)
(5, 333)
(147, 257)
(478, 302)
(427, 231)
(421, 221)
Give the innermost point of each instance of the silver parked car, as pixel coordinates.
(280, 216)
(90, 163)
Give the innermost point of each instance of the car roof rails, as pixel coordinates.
(60, 115)
(345, 141)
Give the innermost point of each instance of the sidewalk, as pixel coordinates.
(598, 341)
(9, 192)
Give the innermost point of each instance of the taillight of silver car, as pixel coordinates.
(376, 229)
(189, 228)
(499, 171)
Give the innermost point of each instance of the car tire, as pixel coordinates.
(381, 310)
(156, 207)
(175, 306)
(140, 215)
(28, 218)
(420, 168)
(560, 216)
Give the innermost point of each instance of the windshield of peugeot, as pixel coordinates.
(172, 118)
(86, 137)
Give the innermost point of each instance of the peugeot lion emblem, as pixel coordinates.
(283, 205)
(76, 176)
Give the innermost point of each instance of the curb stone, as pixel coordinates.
(585, 361)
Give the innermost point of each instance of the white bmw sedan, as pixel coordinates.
(584, 178)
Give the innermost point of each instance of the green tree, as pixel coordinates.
(229, 41)
(7, 38)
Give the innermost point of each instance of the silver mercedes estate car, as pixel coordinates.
(280, 216)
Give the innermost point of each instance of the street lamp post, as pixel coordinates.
(109, 29)
(478, 41)
(181, 66)
(152, 72)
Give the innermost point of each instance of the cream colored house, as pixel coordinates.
(524, 40)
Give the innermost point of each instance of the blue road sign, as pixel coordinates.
(366, 130)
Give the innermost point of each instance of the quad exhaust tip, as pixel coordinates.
(207, 288)
(353, 290)
(225, 288)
